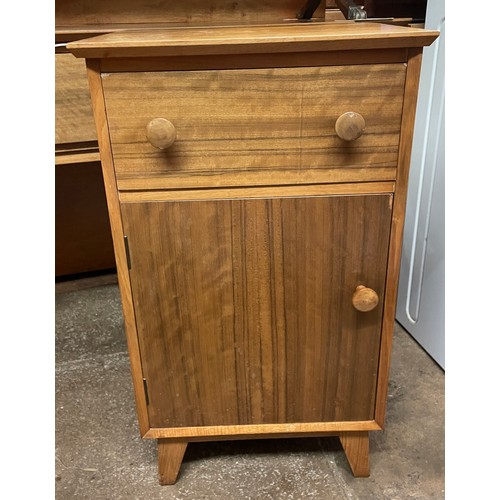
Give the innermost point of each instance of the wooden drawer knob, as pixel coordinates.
(364, 299)
(350, 126)
(160, 133)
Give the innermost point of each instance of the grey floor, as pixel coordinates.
(100, 455)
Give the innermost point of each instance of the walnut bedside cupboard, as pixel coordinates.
(256, 182)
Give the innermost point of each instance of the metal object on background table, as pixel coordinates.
(351, 9)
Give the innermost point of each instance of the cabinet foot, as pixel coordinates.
(170, 455)
(356, 448)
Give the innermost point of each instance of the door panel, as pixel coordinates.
(244, 310)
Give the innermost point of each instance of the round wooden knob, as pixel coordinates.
(364, 299)
(350, 126)
(160, 133)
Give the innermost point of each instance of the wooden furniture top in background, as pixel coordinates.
(87, 17)
(73, 110)
(75, 133)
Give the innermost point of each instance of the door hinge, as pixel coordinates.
(146, 390)
(127, 252)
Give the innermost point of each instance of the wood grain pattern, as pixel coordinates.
(117, 233)
(245, 317)
(259, 178)
(278, 122)
(299, 37)
(170, 457)
(77, 152)
(356, 448)
(73, 108)
(197, 12)
(77, 158)
(74, 32)
(267, 431)
(397, 225)
(230, 61)
(263, 192)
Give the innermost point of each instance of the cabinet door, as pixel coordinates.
(244, 307)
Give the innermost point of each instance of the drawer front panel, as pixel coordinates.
(244, 307)
(258, 126)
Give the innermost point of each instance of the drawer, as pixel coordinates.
(255, 126)
(73, 107)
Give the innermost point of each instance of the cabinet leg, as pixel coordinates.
(170, 455)
(356, 448)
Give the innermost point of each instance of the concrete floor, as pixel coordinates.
(100, 455)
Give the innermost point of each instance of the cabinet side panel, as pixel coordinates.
(113, 203)
(396, 243)
(244, 307)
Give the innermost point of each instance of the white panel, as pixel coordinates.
(420, 307)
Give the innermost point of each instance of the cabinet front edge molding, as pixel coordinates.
(211, 433)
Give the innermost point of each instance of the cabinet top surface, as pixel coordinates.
(299, 37)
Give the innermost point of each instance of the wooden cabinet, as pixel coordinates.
(258, 247)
